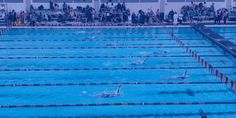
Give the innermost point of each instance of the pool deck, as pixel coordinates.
(216, 38)
(100, 27)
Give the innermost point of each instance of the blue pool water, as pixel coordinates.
(76, 57)
(227, 32)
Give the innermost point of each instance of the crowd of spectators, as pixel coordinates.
(111, 13)
(200, 12)
(54, 13)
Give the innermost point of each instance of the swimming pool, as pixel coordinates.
(227, 32)
(64, 72)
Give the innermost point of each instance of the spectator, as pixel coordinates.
(41, 7)
(51, 5)
(175, 18)
(134, 18)
(204, 5)
(64, 7)
(180, 18)
(13, 18)
(22, 17)
(212, 8)
(225, 16)
(199, 18)
(171, 15)
(114, 13)
(158, 14)
(141, 17)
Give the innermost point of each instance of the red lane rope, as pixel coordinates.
(117, 104)
(109, 83)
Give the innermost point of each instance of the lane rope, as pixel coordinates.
(109, 83)
(65, 57)
(125, 68)
(120, 104)
(93, 47)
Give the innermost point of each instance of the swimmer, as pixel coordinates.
(110, 95)
(109, 44)
(159, 53)
(184, 76)
(222, 61)
(140, 62)
(172, 63)
(156, 53)
(190, 92)
(203, 115)
(225, 53)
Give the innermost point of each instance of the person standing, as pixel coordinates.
(51, 5)
(175, 18)
(225, 16)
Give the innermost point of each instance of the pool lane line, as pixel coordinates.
(233, 32)
(169, 63)
(226, 63)
(110, 83)
(90, 27)
(95, 33)
(120, 104)
(191, 91)
(103, 69)
(72, 57)
(179, 53)
(85, 40)
(197, 75)
(169, 114)
(79, 34)
(96, 47)
(115, 43)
